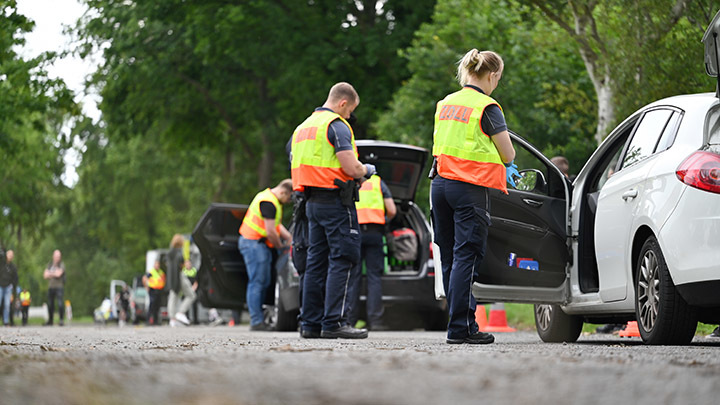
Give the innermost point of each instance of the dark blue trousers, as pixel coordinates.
(372, 253)
(333, 250)
(461, 217)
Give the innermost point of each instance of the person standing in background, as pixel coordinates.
(178, 283)
(6, 279)
(562, 163)
(122, 300)
(25, 305)
(375, 206)
(10, 255)
(55, 274)
(191, 273)
(154, 282)
(14, 298)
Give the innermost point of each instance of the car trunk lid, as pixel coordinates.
(712, 44)
(400, 166)
(216, 236)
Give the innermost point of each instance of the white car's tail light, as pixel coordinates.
(701, 170)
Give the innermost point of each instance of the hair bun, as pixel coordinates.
(479, 60)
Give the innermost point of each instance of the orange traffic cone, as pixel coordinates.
(631, 330)
(231, 323)
(498, 320)
(481, 317)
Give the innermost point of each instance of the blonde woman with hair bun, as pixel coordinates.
(473, 153)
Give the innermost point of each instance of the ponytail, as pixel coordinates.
(476, 63)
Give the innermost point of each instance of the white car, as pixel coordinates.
(636, 236)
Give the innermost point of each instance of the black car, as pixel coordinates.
(408, 285)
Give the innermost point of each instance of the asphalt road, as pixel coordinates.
(223, 365)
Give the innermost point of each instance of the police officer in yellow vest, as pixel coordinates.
(375, 206)
(25, 305)
(324, 163)
(262, 230)
(472, 149)
(154, 282)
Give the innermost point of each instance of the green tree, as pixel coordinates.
(544, 90)
(33, 109)
(239, 76)
(199, 99)
(132, 195)
(632, 50)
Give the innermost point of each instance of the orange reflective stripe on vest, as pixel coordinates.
(156, 280)
(463, 151)
(25, 298)
(253, 225)
(371, 206)
(314, 163)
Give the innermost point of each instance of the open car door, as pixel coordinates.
(527, 255)
(528, 249)
(222, 278)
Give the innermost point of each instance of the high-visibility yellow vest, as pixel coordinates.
(253, 225)
(463, 151)
(156, 281)
(314, 163)
(371, 206)
(191, 272)
(25, 298)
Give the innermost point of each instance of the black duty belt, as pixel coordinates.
(372, 228)
(321, 194)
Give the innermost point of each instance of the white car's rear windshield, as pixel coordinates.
(712, 126)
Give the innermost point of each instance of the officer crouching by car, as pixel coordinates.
(325, 166)
(260, 231)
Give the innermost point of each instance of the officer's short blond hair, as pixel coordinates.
(343, 91)
(286, 185)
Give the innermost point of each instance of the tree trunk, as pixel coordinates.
(606, 108)
(267, 128)
(603, 84)
(265, 167)
(228, 172)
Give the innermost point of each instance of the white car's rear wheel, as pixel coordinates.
(664, 318)
(554, 325)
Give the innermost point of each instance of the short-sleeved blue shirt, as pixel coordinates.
(493, 120)
(385, 190)
(339, 134)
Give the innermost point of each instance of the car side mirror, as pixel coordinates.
(531, 180)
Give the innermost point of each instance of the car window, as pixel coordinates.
(668, 135)
(537, 177)
(646, 136)
(712, 126)
(606, 166)
(608, 170)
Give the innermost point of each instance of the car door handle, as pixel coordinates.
(632, 193)
(532, 203)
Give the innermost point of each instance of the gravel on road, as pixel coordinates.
(222, 365)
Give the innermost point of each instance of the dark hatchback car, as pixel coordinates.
(408, 285)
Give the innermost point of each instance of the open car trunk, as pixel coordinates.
(401, 167)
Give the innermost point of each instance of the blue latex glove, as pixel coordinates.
(511, 170)
(370, 170)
